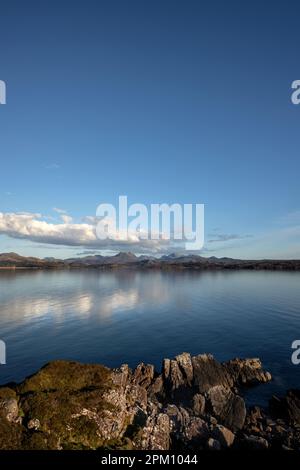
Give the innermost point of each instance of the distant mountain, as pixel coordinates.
(170, 256)
(94, 259)
(182, 258)
(130, 260)
(99, 260)
(147, 258)
(124, 258)
(13, 260)
(10, 256)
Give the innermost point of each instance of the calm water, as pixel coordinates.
(124, 316)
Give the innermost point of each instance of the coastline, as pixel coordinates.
(192, 404)
(288, 266)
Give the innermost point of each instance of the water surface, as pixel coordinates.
(126, 316)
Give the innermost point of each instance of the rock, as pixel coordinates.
(156, 433)
(256, 443)
(270, 422)
(186, 428)
(166, 365)
(178, 372)
(85, 406)
(34, 424)
(179, 419)
(143, 375)
(284, 447)
(195, 430)
(192, 405)
(229, 408)
(11, 434)
(287, 408)
(208, 373)
(156, 387)
(247, 371)
(66, 375)
(172, 410)
(198, 404)
(10, 409)
(173, 375)
(121, 376)
(213, 444)
(223, 435)
(213, 420)
(281, 422)
(255, 430)
(6, 393)
(185, 373)
(280, 429)
(255, 414)
(184, 361)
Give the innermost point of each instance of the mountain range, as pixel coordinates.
(130, 260)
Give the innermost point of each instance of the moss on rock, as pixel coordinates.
(7, 393)
(68, 400)
(66, 375)
(10, 435)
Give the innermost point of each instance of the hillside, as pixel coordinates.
(130, 260)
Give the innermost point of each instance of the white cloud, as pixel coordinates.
(224, 237)
(67, 219)
(32, 226)
(59, 211)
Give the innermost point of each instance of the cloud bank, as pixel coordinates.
(65, 232)
(33, 227)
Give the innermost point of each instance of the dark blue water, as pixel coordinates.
(125, 316)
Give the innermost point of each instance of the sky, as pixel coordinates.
(162, 101)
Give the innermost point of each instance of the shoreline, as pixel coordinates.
(172, 262)
(280, 266)
(194, 403)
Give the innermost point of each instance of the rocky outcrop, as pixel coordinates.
(287, 407)
(194, 403)
(247, 372)
(227, 406)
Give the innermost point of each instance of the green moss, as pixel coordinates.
(84, 433)
(58, 396)
(117, 444)
(38, 440)
(10, 435)
(65, 375)
(55, 411)
(7, 392)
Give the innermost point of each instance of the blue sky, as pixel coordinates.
(164, 101)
